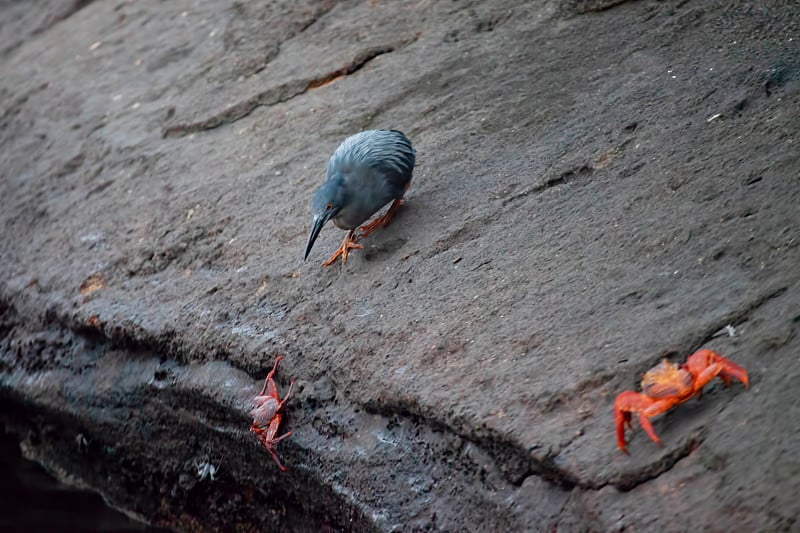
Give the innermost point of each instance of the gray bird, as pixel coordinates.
(367, 171)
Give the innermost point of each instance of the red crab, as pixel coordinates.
(266, 418)
(667, 384)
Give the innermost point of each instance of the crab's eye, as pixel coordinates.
(329, 206)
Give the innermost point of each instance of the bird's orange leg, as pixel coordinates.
(382, 220)
(349, 243)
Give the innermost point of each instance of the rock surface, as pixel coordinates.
(599, 184)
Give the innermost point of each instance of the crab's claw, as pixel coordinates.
(732, 370)
(707, 364)
(630, 402)
(625, 403)
(622, 418)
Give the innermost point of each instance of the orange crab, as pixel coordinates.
(667, 384)
(266, 416)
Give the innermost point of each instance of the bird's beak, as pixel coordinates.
(316, 227)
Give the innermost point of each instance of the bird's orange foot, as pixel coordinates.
(382, 220)
(349, 243)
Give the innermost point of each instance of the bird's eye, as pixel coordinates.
(329, 206)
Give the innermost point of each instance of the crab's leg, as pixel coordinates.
(269, 434)
(272, 429)
(270, 446)
(286, 398)
(269, 383)
(268, 439)
(655, 409)
(626, 403)
(275, 458)
(647, 426)
(278, 439)
(622, 419)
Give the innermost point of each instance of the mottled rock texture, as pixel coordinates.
(600, 184)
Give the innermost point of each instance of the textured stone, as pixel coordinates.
(598, 184)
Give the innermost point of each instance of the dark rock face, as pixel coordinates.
(599, 184)
(34, 501)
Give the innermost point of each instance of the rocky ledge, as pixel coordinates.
(600, 184)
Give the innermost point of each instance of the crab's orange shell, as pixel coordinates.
(667, 380)
(667, 385)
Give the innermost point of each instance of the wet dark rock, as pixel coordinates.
(600, 183)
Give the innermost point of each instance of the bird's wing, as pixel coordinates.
(387, 151)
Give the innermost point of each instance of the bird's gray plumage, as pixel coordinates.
(366, 172)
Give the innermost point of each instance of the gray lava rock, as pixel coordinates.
(598, 184)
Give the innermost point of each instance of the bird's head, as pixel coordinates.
(327, 203)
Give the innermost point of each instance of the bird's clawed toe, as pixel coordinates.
(349, 243)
